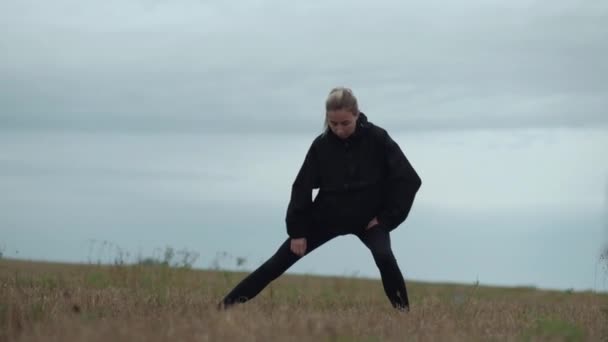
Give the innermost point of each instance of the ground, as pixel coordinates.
(60, 302)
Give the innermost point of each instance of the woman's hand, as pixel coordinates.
(298, 246)
(372, 223)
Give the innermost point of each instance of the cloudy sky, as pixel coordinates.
(155, 123)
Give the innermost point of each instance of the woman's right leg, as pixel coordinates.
(276, 265)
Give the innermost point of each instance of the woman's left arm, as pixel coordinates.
(402, 185)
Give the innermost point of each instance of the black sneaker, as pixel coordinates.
(403, 308)
(221, 306)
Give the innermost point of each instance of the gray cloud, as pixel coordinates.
(20, 169)
(266, 66)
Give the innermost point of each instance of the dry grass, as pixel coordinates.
(58, 302)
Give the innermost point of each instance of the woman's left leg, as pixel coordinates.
(379, 243)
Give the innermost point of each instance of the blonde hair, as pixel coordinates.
(340, 98)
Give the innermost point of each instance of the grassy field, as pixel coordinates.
(59, 302)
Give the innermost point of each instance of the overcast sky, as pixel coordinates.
(130, 122)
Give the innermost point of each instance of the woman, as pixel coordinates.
(366, 188)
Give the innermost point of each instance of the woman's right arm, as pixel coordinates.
(298, 246)
(299, 210)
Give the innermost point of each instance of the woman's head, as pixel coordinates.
(341, 112)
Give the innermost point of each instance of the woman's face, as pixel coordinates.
(342, 122)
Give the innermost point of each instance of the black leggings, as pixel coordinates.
(376, 239)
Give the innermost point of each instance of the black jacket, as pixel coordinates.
(359, 178)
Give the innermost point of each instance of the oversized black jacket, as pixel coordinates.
(364, 176)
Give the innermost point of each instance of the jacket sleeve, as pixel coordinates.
(402, 184)
(299, 210)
